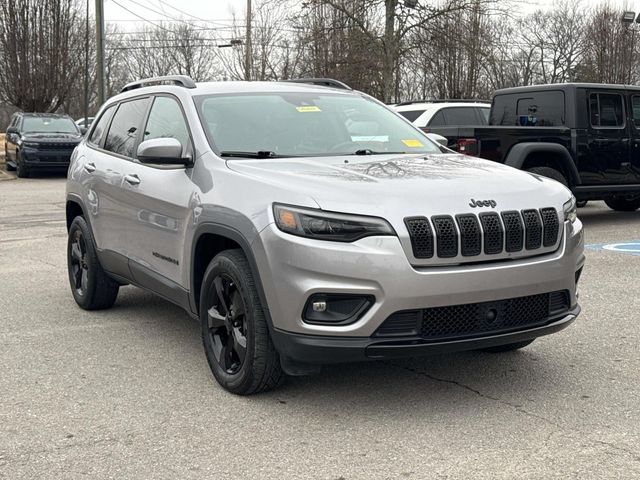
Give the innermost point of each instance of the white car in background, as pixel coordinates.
(437, 114)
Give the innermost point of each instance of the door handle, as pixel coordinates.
(132, 179)
(90, 167)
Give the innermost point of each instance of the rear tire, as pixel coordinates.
(551, 173)
(91, 287)
(235, 334)
(509, 347)
(622, 204)
(22, 170)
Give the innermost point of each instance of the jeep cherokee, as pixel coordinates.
(306, 223)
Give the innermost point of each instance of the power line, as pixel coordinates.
(141, 18)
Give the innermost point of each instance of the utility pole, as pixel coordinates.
(247, 49)
(86, 68)
(100, 50)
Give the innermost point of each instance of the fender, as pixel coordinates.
(519, 153)
(240, 239)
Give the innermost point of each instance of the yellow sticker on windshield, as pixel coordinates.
(413, 143)
(308, 108)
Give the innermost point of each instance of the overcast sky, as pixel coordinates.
(127, 12)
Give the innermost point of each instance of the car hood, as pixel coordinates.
(387, 185)
(51, 137)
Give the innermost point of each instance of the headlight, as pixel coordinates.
(339, 227)
(570, 210)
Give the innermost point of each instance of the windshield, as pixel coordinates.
(48, 125)
(306, 124)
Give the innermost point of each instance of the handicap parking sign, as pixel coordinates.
(630, 248)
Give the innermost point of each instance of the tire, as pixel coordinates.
(21, 168)
(622, 204)
(509, 347)
(91, 287)
(551, 173)
(239, 318)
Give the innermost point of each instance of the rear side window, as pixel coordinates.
(635, 105)
(540, 109)
(437, 120)
(606, 110)
(460, 116)
(101, 126)
(166, 121)
(412, 115)
(125, 126)
(483, 113)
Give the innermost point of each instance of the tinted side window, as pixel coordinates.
(101, 126)
(542, 109)
(635, 106)
(460, 116)
(166, 121)
(125, 126)
(483, 114)
(606, 110)
(412, 115)
(437, 120)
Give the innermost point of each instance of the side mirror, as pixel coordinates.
(12, 130)
(162, 151)
(438, 139)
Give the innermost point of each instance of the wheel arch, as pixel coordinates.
(74, 209)
(540, 154)
(209, 240)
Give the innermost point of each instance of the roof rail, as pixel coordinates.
(445, 100)
(180, 80)
(323, 82)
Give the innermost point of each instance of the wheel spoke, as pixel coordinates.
(220, 292)
(216, 320)
(239, 344)
(75, 251)
(84, 279)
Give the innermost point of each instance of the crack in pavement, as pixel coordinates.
(518, 408)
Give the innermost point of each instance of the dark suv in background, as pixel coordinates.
(42, 141)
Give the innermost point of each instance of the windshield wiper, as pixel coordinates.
(258, 154)
(368, 151)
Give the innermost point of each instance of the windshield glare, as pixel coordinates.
(307, 124)
(48, 125)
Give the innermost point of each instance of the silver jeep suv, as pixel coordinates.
(304, 223)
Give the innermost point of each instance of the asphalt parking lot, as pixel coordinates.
(127, 393)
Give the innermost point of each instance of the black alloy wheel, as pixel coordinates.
(227, 321)
(79, 265)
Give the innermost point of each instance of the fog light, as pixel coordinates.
(319, 306)
(336, 309)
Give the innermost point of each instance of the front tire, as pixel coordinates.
(91, 288)
(509, 347)
(22, 170)
(622, 204)
(235, 335)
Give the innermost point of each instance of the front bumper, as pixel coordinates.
(313, 349)
(294, 268)
(46, 159)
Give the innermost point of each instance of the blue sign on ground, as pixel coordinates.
(631, 248)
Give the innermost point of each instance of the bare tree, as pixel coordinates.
(41, 52)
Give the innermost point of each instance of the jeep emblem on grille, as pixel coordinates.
(482, 203)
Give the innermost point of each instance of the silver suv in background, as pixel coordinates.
(305, 223)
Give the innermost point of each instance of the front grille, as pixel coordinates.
(447, 236)
(421, 236)
(470, 235)
(474, 319)
(57, 146)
